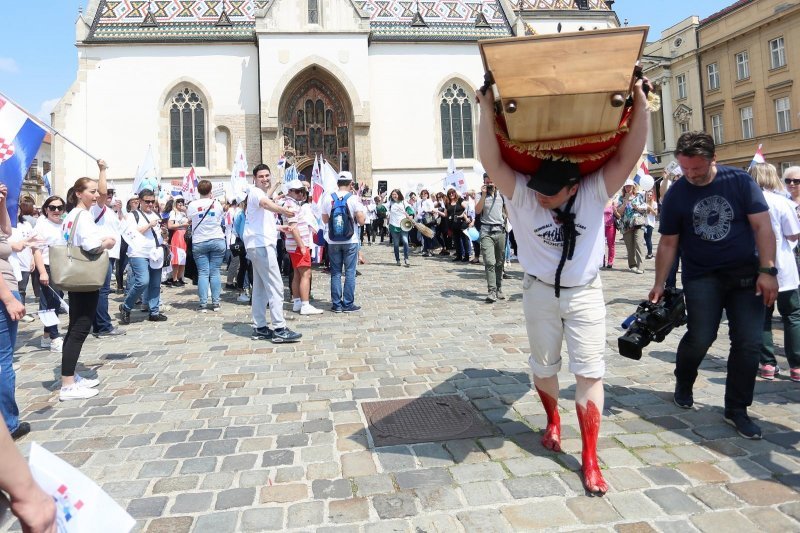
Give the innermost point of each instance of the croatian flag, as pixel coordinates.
(282, 161)
(189, 187)
(643, 178)
(757, 158)
(20, 139)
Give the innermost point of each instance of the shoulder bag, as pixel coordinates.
(74, 269)
(188, 235)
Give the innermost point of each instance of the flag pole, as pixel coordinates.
(47, 126)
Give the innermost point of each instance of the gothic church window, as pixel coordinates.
(313, 11)
(187, 130)
(456, 119)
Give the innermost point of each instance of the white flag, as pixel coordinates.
(451, 165)
(239, 173)
(147, 174)
(457, 181)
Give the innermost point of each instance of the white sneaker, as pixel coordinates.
(56, 344)
(308, 309)
(86, 383)
(297, 305)
(243, 298)
(76, 392)
(44, 342)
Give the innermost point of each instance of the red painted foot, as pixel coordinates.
(589, 420)
(552, 435)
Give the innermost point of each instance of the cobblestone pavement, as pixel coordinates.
(199, 428)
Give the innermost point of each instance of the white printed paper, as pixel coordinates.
(48, 318)
(135, 240)
(81, 506)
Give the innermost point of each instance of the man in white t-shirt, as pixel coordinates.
(343, 252)
(260, 241)
(558, 222)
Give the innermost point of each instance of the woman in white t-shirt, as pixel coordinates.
(22, 240)
(208, 245)
(80, 225)
(177, 224)
(48, 232)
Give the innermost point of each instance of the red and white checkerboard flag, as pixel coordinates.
(189, 187)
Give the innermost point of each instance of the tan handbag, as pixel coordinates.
(73, 269)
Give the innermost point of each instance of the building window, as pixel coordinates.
(456, 116)
(680, 79)
(713, 76)
(313, 11)
(777, 53)
(783, 114)
(742, 66)
(187, 130)
(746, 113)
(785, 165)
(684, 127)
(716, 128)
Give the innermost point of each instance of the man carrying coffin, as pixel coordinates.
(558, 221)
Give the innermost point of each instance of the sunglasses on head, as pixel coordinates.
(52, 207)
(789, 181)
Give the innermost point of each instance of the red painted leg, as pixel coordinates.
(552, 435)
(589, 420)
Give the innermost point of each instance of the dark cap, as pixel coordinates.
(553, 176)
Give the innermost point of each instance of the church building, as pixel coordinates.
(382, 88)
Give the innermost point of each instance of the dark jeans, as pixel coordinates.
(82, 309)
(706, 297)
(397, 238)
(343, 256)
(648, 239)
(8, 378)
(462, 243)
(49, 299)
(789, 309)
(102, 320)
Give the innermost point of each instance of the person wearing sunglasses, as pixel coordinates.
(48, 230)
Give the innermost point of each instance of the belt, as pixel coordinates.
(491, 227)
(545, 283)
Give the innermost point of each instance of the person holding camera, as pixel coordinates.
(557, 215)
(719, 218)
(491, 210)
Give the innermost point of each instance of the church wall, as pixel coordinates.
(117, 106)
(406, 131)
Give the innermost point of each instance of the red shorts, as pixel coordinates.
(300, 260)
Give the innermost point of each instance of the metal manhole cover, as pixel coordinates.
(427, 419)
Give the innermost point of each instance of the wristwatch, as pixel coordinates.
(772, 271)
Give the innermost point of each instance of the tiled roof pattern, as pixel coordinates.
(560, 4)
(722, 12)
(390, 20)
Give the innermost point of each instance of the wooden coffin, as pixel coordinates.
(563, 85)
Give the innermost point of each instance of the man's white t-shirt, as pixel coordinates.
(211, 226)
(259, 227)
(152, 237)
(784, 222)
(109, 226)
(540, 238)
(354, 205)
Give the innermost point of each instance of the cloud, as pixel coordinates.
(44, 110)
(8, 65)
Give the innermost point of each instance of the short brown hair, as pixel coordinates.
(695, 143)
(204, 187)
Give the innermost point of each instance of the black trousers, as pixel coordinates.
(82, 308)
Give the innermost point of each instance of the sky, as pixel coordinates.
(39, 61)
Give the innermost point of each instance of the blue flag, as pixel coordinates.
(20, 139)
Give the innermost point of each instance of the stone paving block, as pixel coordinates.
(438, 498)
(763, 492)
(147, 507)
(323, 470)
(126, 489)
(217, 480)
(592, 510)
(663, 476)
(465, 451)
(192, 502)
(484, 521)
(538, 515)
(721, 521)
(429, 477)
(638, 440)
(174, 524)
(288, 474)
(357, 464)
(374, 484)
(673, 501)
(673, 526)
(230, 499)
(634, 527)
(769, 520)
(182, 450)
(395, 505)
(386, 526)
(499, 448)
(715, 497)
(478, 472)
(235, 463)
(395, 458)
(175, 484)
(742, 468)
(617, 457)
(347, 511)
(703, 472)
(170, 437)
(305, 514)
(432, 454)
(485, 492)
(534, 487)
(316, 454)
(634, 506)
(435, 524)
(656, 456)
(200, 465)
(324, 488)
(292, 492)
(277, 457)
(528, 466)
(219, 447)
(157, 469)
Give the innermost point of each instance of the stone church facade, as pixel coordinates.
(383, 88)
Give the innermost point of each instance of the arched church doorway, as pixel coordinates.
(316, 119)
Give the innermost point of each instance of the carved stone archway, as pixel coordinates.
(316, 118)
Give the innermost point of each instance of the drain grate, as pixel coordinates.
(426, 419)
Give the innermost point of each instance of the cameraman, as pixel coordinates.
(492, 216)
(558, 219)
(718, 217)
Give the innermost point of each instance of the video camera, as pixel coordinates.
(652, 322)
